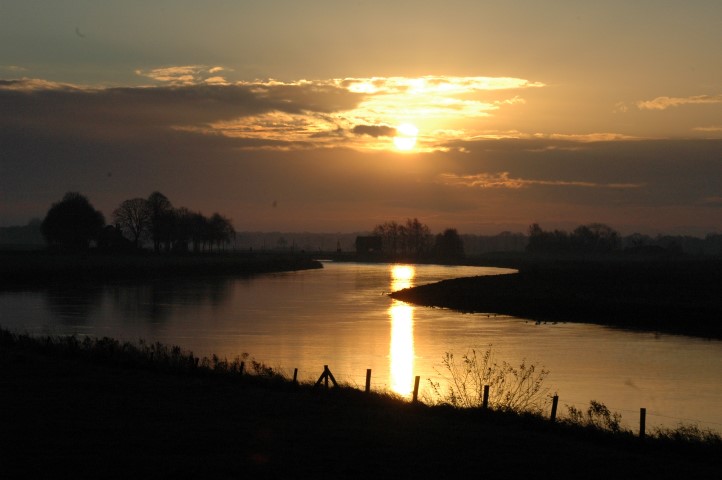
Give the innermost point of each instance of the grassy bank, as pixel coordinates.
(102, 409)
(666, 295)
(37, 268)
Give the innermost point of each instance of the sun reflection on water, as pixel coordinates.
(401, 364)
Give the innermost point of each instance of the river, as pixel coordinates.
(340, 316)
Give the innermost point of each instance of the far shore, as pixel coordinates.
(37, 268)
(668, 295)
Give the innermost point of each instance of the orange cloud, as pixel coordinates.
(663, 103)
(503, 180)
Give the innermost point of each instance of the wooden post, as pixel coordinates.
(368, 380)
(485, 402)
(325, 376)
(555, 402)
(240, 369)
(416, 389)
(642, 421)
(295, 376)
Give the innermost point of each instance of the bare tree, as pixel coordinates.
(221, 230)
(161, 219)
(133, 217)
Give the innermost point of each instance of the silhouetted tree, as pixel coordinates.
(199, 231)
(161, 219)
(592, 238)
(418, 237)
(182, 229)
(72, 223)
(449, 245)
(391, 237)
(413, 238)
(595, 238)
(221, 230)
(133, 217)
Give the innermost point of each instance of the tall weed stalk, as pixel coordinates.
(513, 388)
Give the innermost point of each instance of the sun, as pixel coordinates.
(405, 138)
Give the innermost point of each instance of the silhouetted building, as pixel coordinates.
(368, 244)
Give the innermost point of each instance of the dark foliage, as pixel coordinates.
(72, 223)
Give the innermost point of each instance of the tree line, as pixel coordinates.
(591, 238)
(412, 239)
(73, 224)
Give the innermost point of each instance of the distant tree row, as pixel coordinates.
(73, 224)
(414, 240)
(169, 228)
(592, 238)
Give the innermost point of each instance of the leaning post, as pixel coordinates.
(368, 380)
(416, 389)
(555, 402)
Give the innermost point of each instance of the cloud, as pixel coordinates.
(121, 112)
(504, 180)
(710, 129)
(13, 68)
(184, 75)
(374, 130)
(199, 99)
(714, 201)
(440, 85)
(663, 103)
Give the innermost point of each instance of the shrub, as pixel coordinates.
(510, 388)
(597, 416)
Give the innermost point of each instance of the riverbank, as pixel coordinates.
(42, 268)
(677, 295)
(84, 409)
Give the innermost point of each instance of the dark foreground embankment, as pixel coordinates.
(106, 411)
(673, 295)
(38, 268)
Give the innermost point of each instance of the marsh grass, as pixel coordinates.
(142, 355)
(596, 416)
(517, 394)
(511, 388)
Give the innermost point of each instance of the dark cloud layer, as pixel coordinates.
(114, 111)
(374, 130)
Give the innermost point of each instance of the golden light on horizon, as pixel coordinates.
(405, 139)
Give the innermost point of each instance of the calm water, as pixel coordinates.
(340, 316)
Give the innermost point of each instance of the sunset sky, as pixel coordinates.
(328, 116)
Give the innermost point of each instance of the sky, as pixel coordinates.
(336, 116)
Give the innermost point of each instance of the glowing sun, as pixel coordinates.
(405, 138)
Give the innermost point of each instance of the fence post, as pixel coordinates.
(295, 376)
(555, 402)
(485, 402)
(240, 370)
(368, 380)
(325, 373)
(642, 421)
(416, 389)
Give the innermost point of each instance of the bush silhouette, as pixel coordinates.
(72, 223)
